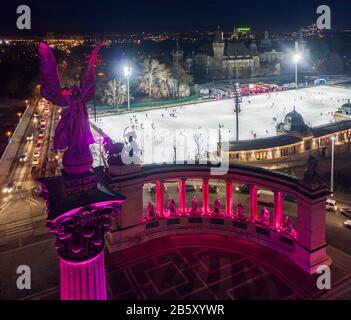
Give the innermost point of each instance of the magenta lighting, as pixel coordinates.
(83, 280)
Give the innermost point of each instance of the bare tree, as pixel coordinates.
(200, 144)
(115, 93)
(154, 80)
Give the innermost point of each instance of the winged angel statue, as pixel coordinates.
(72, 133)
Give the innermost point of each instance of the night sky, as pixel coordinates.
(93, 16)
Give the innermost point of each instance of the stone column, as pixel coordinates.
(182, 196)
(80, 246)
(229, 198)
(277, 209)
(253, 203)
(160, 189)
(311, 246)
(83, 280)
(205, 195)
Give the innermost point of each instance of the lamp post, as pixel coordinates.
(127, 74)
(332, 166)
(19, 115)
(9, 134)
(297, 59)
(237, 110)
(100, 138)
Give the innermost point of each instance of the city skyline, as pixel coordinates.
(80, 17)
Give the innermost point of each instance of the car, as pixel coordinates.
(38, 146)
(152, 188)
(212, 188)
(30, 137)
(42, 122)
(36, 154)
(36, 114)
(10, 187)
(288, 197)
(346, 212)
(331, 206)
(347, 224)
(40, 141)
(190, 187)
(266, 197)
(35, 161)
(46, 110)
(41, 134)
(23, 157)
(42, 127)
(245, 188)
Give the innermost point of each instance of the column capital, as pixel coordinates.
(80, 233)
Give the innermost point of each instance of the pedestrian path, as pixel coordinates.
(18, 229)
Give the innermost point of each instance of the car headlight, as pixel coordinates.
(4, 190)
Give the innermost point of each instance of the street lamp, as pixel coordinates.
(297, 58)
(332, 166)
(9, 134)
(19, 114)
(127, 74)
(100, 139)
(237, 110)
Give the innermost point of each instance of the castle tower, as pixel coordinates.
(218, 52)
(177, 54)
(218, 45)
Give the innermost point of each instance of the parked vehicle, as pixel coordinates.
(331, 205)
(190, 187)
(266, 197)
(211, 188)
(288, 197)
(152, 188)
(243, 188)
(347, 224)
(346, 212)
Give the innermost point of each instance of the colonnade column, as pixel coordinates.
(229, 198)
(182, 195)
(277, 209)
(311, 246)
(253, 203)
(205, 195)
(160, 189)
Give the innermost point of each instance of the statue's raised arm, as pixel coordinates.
(88, 80)
(50, 83)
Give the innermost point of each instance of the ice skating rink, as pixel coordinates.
(258, 118)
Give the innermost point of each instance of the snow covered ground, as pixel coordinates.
(259, 117)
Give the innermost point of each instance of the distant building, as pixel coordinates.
(225, 59)
(293, 125)
(344, 113)
(177, 54)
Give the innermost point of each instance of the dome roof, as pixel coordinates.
(294, 123)
(346, 108)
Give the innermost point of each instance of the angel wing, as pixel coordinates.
(50, 83)
(87, 83)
